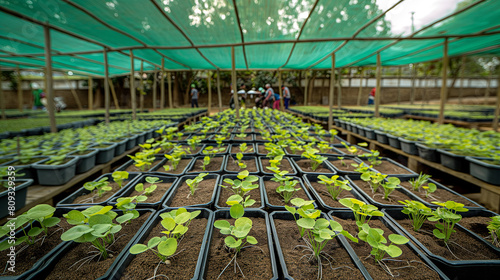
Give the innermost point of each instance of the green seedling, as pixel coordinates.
(417, 212)
(334, 186)
(494, 229)
(373, 157)
(416, 183)
(296, 146)
(353, 150)
(275, 162)
(315, 159)
(211, 151)
(361, 168)
(195, 182)
(206, 162)
(100, 187)
(194, 141)
(323, 147)
(119, 177)
(175, 158)
(375, 237)
(42, 213)
(95, 225)
(429, 189)
(239, 158)
(374, 179)
(286, 188)
(56, 160)
(342, 162)
(234, 199)
(175, 223)
(447, 217)
(128, 204)
(273, 150)
(389, 186)
(362, 212)
(219, 139)
(243, 184)
(244, 148)
(333, 133)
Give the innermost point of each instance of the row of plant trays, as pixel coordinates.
(475, 166)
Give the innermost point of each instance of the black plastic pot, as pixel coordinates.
(230, 158)
(394, 141)
(490, 173)
(453, 161)
(45, 270)
(250, 213)
(132, 142)
(55, 175)
(10, 206)
(28, 170)
(370, 133)
(86, 161)
(193, 163)
(120, 147)
(252, 193)
(154, 169)
(141, 138)
(105, 154)
(410, 173)
(408, 146)
(479, 213)
(428, 153)
(173, 191)
(270, 207)
(68, 201)
(455, 269)
(381, 136)
(324, 164)
(265, 171)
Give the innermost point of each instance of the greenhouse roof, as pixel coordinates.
(266, 34)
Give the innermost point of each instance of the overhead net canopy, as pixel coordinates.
(266, 34)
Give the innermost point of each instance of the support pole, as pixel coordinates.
(209, 83)
(497, 107)
(91, 93)
(305, 90)
(162, 84)
(412, 93)
(233, 79)
(75, 95)
(155, 88)
(49, 86)
(444, 86)
(339, 94)
(170, 99)
(113, 92)
(218, 90)
(132, 86)
(2, 98)
(19, 89)
(360, 91)
(332, 90)
(379, 84)
(282, 105)
(487, 92)
(462, 76)
(106, 86)
(141, 86)
(399, 84)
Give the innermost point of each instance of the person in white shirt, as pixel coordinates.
(286, 95)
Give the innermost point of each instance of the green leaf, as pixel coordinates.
(237, 211)
(168, 223)
(182, 218)
(99, 219)
(251, 240)
(438, 234)
(398, 239)
(75, 232)
(393, 251)
(222, 224)
(50, 222)
(34, 231)
(231, 242)
(307, 223)
(40, 211)
(168, 247)
(291, 209)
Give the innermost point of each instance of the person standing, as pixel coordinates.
(37, 98)
(371, 97)
(194, 96)
(286, 95)
(269, 96)
(276, 104)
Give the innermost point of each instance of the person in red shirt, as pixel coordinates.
(371, 97)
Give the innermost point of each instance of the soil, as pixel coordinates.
(414, 270)
(66, 160)
(157, 195)
(86, 197)
(94, 269)
(261, 149)
(225, 193)
(238, 130)
(469, 248)
(133, 168)
(232, 164)
(182, 266)
(285, 165)
(345, 151)
(477, 225)
(28, 257)
(248, 138)
(440, 195)
(254, 263)
(328, 139)
(258, 137)
(236, 149)
(19, 163)
(202, 195)
(214, 165)
(275, 198)
(394, 197)
(180, 167)
(347, 167)
(193, 151)
(215, 146)
(305, 165)
(301, 268)
(327, 198)
(387, 167)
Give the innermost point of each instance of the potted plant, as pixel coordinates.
(57, 170)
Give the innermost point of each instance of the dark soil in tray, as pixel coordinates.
(275, 198)
(347, 167)
(248, 137)
(462, 245)
(301, 268)
(414, 270)
(214, 165)
(94, 269)
(258, 137)
(345, 151)
(305, 165)
(236, 149)
(180, 167)
(157, 195)
(232, 164)
(285, 165)
(477, 225)
(133, 168)
(327, 198)
(182, 266)
(28, 257)
(440, 195)
(262, 149)
(92, 196)
(202, 195)
(387, 167)
(394, 197)
(191, 150)
(254, 263)
(225, 193)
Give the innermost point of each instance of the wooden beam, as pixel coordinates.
(413, 87)
(2, 97)
(332, 90)
(399, 84)
(75, 95)
(218, 91)
(132, 86)
(162, 84)
(91, 93)
(209, 83)
(379, 85)
(48, 75)
(444, 86)
(233, 79)
(280, 91)
(487, 91)
(19, 90)
(170, 99)
(339, 94)
(155, 88)
(360, 91)
(113, 92)
(106, 86)
(305, 89)
(462, 75)
(497, 107)
(141, 86)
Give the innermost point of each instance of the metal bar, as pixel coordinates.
(49, 87)
(91, 94)
(106, 86)
(241, 31)
(444, 86)
(19, 89)
(132, 86)
(209, 83)
(233, 79)
(332, 91)
(218, 90)
(360, 86)
(162, 84)
(379, 85)
(170, 100)
(497, 107)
